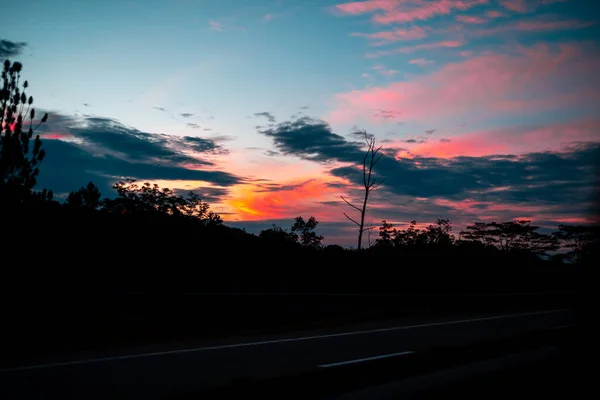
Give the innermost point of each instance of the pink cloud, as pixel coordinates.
(424, 46)
(419, 10)
(362, 7)
(406, 10)
(494, 14)
(471, 19)
(466, 53)
(395, 35)
(521, 140)
(536, 78)
(536, 25)
(524, 6)
(420, 61)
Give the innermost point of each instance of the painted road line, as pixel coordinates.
(359, 360)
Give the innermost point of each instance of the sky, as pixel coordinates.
(487, 110)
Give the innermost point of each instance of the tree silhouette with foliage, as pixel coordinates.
(581, 240)
(513, 235)
(305, 231)
(87, 197)
(20, 158)
(370, 183)
(149, 198)
(276, 235)
(387, 232)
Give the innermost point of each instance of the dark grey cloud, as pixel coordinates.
(160, 108)
(104, 135)
(103, 150)
(186, 115)
(209, 194)
(429, 131)
(538, 178)
(413, 140)
(202, 145)
(304, 107)
(11, 49)
(221, 138)
(313, 140)
(268, 186)
(384, 115)
(444, 140)
(270, 117)
(271, 153)
(86, 105)
(192, 125)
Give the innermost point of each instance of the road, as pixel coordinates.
(159, 372)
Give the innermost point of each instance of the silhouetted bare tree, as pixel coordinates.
(370, 183)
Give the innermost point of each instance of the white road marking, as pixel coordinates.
(275, 341)
(358, 360)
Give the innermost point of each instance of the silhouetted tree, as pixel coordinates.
(513, 235)
(278, 236)
(387, 232)
(150, 198)
(87, 197)
(19, 158)
(371, 158)
(581, 240)
(305, 230)
(439, 234)
(410, 237)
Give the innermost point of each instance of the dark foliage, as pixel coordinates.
(20, 153)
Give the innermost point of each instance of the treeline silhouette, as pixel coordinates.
(152, 238)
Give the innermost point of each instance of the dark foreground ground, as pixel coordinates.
(324, 363)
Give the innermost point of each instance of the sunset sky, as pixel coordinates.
(487, 109)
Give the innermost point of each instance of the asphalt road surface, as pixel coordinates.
(159, 372)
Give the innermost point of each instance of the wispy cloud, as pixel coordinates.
(393, 11)
(471, 19)
(270, 117)
(423, 46)
(525, 6)
(420, 61)
(539, 24)
(494, 14)
(220, 26)
(383, 70)
(399, 34)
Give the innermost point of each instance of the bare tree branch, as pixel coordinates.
(351, 205)
(351, 219)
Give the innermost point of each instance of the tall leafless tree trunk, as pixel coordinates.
(372, 156)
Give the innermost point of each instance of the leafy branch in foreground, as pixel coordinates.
(20, 154)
